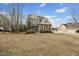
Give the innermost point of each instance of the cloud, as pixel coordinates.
(61, 10)
(42, 5)
(51, 17)
(3, 12)
(55, 20)
(68, 17)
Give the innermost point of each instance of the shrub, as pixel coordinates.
(77, 31)
(30, 31)
(45, 31)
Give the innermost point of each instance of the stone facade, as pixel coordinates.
(38, 23)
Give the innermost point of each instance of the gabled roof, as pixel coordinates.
(45, 21)
(33, 16)
(39, 20)
(72, 25)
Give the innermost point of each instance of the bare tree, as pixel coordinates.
(15, 17)
(2, 19)
(28, 22)
(17, 25)
(12, 14)
(21, 17)
(74, 15)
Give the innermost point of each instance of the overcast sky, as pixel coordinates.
(57, 13)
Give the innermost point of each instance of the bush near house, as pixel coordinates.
(55, 29)
(30, 31)
(45, 31)
(77, 31)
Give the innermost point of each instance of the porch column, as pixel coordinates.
(39, 29)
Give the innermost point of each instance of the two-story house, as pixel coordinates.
(38, 23)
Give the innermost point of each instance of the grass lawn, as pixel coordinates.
(48, 44)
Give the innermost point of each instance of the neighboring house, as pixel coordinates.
(38, 24)
(4, 22)
(69, 27)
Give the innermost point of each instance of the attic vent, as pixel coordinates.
(45, 20)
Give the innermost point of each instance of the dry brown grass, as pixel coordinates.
(47, 44)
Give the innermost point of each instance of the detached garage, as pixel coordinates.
(69, 27)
